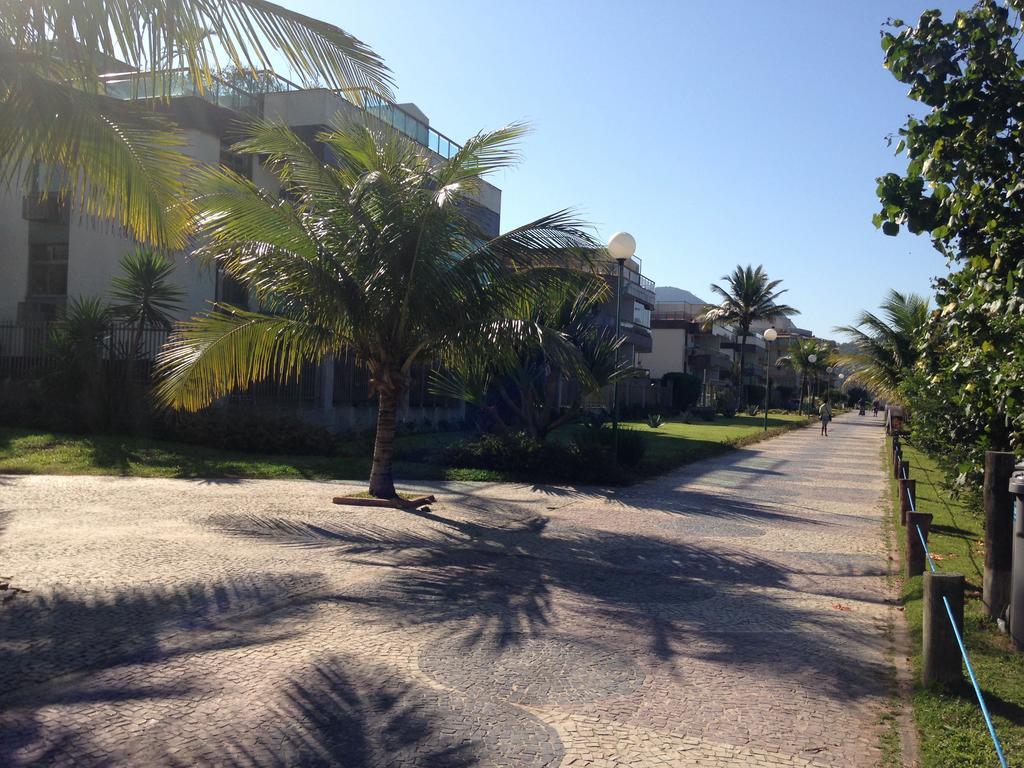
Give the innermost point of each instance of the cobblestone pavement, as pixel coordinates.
(730, 614)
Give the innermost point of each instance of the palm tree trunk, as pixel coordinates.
(382, 479)
(743, 358)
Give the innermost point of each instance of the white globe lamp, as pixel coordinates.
(771, 334)
(621, 246)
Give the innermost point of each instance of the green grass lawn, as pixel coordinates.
(24, 451)
(952, 730)
(675, 443)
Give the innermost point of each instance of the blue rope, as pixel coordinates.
(974, 682)
(963, 648)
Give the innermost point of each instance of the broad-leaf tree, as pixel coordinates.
(122, 160)
(522, 390)
(888, 344)
(963, 186)
(748, 296)
(376, 252)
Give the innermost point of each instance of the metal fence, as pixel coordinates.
(33, 350)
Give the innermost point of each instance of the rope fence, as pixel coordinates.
(898, 457)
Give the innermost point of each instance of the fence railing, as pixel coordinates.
(33, 350)
(908, 504)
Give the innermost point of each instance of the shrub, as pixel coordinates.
(588, 458)
(655, 420)
(632, 445)
(754, 393)
(686, 389)
(704, 412)
(249, 430)
(514, 451)
(725, 403)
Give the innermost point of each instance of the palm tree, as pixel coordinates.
(118, 160)
(526, 385)
(377, 253)
(143, 295)
(799, 357)
(749, 296)
(887, 346)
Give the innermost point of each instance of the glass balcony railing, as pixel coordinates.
(245, 96)
(176, 83)
(392, 114)
(641, 316)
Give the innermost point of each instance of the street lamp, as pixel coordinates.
(621, 246)
(770, 335)
(812, 359)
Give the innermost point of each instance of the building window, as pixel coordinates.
(48, 269)
(641, 315)
(240, 164)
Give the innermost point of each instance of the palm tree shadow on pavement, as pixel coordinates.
(71, 649)
(501, 584)
(349, 714)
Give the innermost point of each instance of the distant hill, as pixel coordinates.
(670, 295)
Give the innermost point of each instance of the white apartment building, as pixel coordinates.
(49, 254)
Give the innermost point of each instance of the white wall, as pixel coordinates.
(13, 253)
(96, 248)
(667, 354)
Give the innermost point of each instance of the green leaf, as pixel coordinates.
(890, 228)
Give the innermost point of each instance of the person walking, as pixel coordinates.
(825, 413)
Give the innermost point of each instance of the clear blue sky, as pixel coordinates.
(716, 133)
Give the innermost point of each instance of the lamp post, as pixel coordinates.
(621, 246)
(812, 359)
(770, 335)
(828, 392)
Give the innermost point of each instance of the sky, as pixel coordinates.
(717, 133)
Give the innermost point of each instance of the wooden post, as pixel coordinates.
(998, 532)
(908, 498)
(901, 468)
(941, 662)
(916, 559)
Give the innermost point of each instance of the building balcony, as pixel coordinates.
(177, 83)
(49, 209)
(634, 284)
(641, 293)
(243, 94)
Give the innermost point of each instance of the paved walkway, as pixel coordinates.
(731, 614)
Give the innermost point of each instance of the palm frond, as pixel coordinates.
(106, 159)
(218, 353)
(153, 35)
